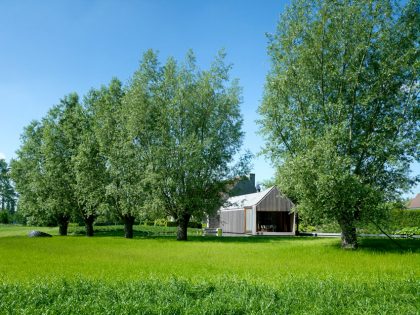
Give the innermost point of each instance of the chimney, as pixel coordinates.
(252, 179)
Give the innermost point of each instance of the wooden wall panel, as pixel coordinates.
(232, 221)
(274, 202)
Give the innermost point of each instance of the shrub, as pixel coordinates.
(398, 220)
(192, 224)
(306, 228)
(409, 231)
(404, 218)
(160, 222)
(5, 217)
(18, 218)
(195, 225)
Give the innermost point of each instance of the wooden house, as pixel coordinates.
(260, 213)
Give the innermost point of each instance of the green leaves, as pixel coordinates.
(7, 193)
(186, 127)
(340, 109)
(162, 144)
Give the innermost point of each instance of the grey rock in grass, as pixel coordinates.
(38, 234)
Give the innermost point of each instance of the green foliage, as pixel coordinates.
(307, 228)
(124, 172)
(340, 109)
(191, 224)
(161, 222)
(195, 225)
(8, 218)
(162, 145)
(405, 218)
(5, 217)
(185, 126)
(397, 221)
(409, 231)
(8, 195)
(43, 171)
(90, 172)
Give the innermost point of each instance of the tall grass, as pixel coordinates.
(177, 296)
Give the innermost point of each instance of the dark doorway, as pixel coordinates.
(274, 221)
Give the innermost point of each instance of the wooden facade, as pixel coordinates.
(264, 212)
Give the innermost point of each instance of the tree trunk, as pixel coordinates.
(62, 227)
(183, 220)
(128, 226)
(348, 234)
(89, 225)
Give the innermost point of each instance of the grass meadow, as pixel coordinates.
(153, 274)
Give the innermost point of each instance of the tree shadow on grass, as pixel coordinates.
(365, 244)
(193, 235)
(250, 239)
(387, 246)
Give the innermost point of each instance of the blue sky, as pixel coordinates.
(51, 48)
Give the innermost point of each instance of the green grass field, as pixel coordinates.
(206, 275)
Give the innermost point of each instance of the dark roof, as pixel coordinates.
(415, 202)
(244, 186)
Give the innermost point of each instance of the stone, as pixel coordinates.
(38, 234)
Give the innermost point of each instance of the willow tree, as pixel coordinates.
(90, 173)
(7, 191)
(60, 141)
(123, 172)
(187, 125)
(340, 111)
(27, 171)
(43, 170)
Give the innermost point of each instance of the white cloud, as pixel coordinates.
(2, 156)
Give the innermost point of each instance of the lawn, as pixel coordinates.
(156, 274)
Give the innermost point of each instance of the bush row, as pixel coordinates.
(163, 222)
(6, 217)
(400, 222)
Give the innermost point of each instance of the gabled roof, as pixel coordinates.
(246, 201)
(415, 202)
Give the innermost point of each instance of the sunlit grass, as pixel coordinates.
(293, 268)
(254, 259)
(20, 230)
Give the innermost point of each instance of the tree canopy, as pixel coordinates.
(341, 107)
(186, 128)
(164, 144)
(7, 192)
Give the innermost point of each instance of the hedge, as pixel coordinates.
(404, 218)
(399, 220)
(194, 225)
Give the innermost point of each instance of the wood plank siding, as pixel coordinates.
(233, 221)
(274, 202)
(258, 213)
